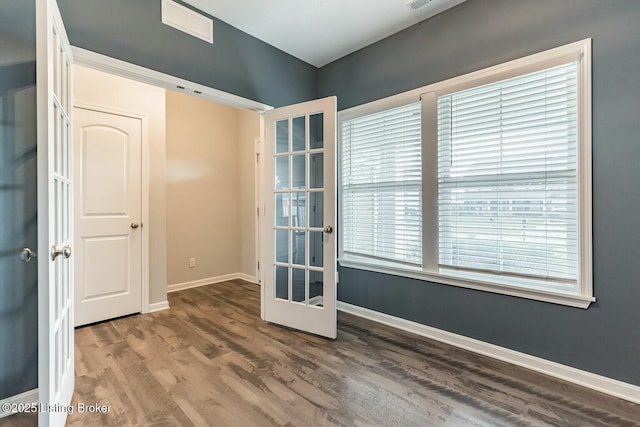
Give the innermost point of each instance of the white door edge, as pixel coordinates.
(43, 131)
(257, 185)
(261, 206)
(144, 119)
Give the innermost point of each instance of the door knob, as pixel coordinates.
(64, 251)
(27, 255)
(135, 225)
(328, 229)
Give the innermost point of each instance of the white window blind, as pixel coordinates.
(381, 185)
(507, 176)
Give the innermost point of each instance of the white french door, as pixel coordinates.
(299, 245)
(55, 225)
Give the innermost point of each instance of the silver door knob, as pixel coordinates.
(27, 255)
(64, 251)
(328, 229)
(135, 225)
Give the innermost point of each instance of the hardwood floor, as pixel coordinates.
(210, 360)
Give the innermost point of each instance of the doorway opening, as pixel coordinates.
(199, 216)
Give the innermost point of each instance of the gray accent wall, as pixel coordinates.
(605, 338)
(237, 63)
(18, 199)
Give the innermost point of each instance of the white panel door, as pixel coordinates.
(55, 225)
(108, 211)
(299, 246)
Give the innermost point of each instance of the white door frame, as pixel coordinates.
(260, 208)
(144, 120)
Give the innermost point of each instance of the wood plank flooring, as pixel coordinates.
(210, 360)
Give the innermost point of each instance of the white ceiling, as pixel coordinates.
(320, 31)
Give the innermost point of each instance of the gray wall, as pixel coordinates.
(237, 63)
(605, 339)
(18, 199)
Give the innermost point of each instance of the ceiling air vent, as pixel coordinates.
(185, 19)
(417, 4)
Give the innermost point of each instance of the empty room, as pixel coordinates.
(372, 213)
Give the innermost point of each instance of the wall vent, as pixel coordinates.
(185, 19)
(417, 4)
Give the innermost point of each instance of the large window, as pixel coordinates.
(484, 183)
(381, 185)
(507, 176)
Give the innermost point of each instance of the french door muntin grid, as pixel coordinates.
(300, 225)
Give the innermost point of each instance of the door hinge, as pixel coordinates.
(337, 277)
(258, 265)
(258, 211)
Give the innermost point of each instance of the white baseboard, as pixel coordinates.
(158, 306)
(247, 278)
(27, 397)
(600, 383)
(209, 281)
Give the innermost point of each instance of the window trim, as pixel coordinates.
(582, 296)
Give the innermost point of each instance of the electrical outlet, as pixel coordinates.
(192, 262)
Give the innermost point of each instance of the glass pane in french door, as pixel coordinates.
(299, 210)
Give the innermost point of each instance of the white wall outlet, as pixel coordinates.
(192, 262)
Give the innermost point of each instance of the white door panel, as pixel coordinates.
(55, 221)
(105, 156)
(108, 268)
(103, 279)
(299, 248)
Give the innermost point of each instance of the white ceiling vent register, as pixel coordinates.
(416, 4)
(185, 19)
(423, 9)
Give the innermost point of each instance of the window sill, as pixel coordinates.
(517, 288)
